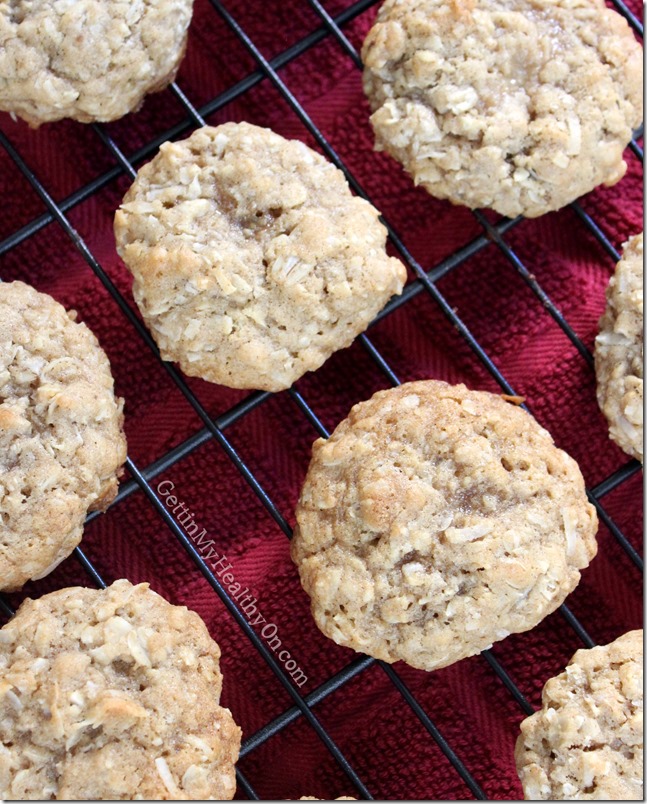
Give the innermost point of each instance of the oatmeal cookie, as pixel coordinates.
(586, 742)
(112, 695)
(437, 520)
(252, 260)
(619, 351)
(61, 439)
(517, 105)
(91, 60)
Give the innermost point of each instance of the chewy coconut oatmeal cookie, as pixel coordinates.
(437, 520)
(61, 439)
(586, 742)
(112, 694)
(521, 106)
(619, 351)
(252, 260)
(91, 60)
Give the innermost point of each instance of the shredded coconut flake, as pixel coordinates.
(166, 776)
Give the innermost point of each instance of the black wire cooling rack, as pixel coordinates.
(493, 235)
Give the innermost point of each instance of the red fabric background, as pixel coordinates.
(370, 722)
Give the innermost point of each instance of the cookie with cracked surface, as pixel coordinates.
(252, 260)
(112, 694)
(586, 741)
(90, 60)
(437, 520)
(61, 439)
(619, 351)
(518, 106)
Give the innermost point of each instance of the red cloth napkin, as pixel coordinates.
(368, 719)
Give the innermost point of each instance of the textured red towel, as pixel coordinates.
(368, 718)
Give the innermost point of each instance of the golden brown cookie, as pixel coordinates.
(619, 351)
(252, 260)
(61, 439)
(436, 521)
(517, 105)
(112, 695)
(586, 741)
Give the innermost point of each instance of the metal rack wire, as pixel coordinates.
(493, 235)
